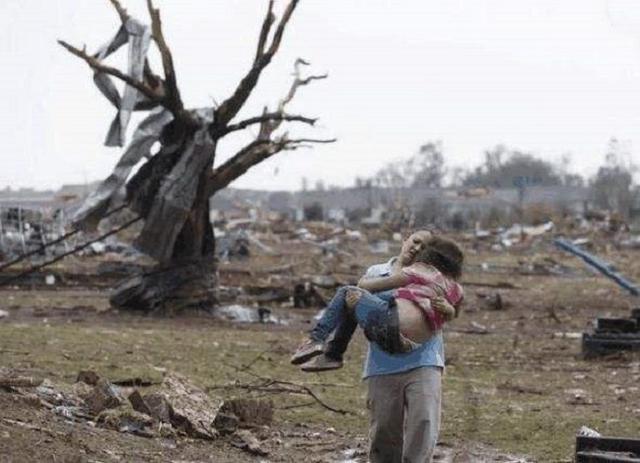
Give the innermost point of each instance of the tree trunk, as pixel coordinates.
(187, 281)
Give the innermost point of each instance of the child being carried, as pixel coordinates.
(405, 309)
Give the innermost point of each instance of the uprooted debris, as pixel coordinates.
(233, 245)
(176, 407)
(104, 395)
(245, 440)
(591, 446)
(192, 410)
(239, 313)
(307, 295)
(249, 412)
(493, 301)
(125, 419)
(244, 413)
(612, 335)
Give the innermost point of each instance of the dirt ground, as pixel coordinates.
(515, 389)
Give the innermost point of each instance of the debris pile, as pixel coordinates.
(24, 229)
(592, 447)
(613, 335)
(176, 407)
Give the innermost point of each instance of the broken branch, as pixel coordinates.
(311, 140)
(97, 66)
(230, 107)
(19, 381)
(173, 94)
(242, 161)
(276, 386)
(264, 31)
(277, 37)
(268, 117)
(252, 154)
(299, 82)
(272, 386)
(124, 16)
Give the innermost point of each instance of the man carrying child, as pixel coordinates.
(403, 391)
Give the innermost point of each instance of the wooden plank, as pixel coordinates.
(599, 457)
(616, 325)
(596, 345)
(608, 444)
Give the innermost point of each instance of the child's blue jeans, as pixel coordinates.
(375, 313)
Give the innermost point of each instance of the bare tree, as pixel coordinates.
(429, 170)
(172, 188)
(613, 183)
(507, 168)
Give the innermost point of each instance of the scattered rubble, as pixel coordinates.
(104, 395)
(249, 412)
(242, 314)
(192, 410)
(491, 301)
(125, 419)
(245, 440)
(178, 405)
(612, 335)
(592, 447)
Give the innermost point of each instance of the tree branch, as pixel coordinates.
(264, 31)
(264, 146)
(252, 154)
(173, 94)
(299, 82)
(277, 37)
(300, 141)
(268, 117)
(97, 66)
(230, 107)
(124, 16)
(150, 78)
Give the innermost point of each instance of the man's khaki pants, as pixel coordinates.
(404, 415)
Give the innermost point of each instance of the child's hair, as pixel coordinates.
(443, 254)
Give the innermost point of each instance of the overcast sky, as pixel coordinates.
(546, 76)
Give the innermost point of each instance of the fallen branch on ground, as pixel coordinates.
(33, 428)
(276, 386)
(19, 381)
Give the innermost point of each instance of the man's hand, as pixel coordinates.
(441, 305)
(352, 297)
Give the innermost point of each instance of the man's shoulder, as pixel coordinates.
(380, 269)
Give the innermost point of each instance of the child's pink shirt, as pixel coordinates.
(425, 283)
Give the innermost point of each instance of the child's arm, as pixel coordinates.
(374, 285)
(440, 304)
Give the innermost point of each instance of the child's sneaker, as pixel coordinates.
(306, 351)
(321, 363)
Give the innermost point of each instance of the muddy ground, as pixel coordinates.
(516, 387)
